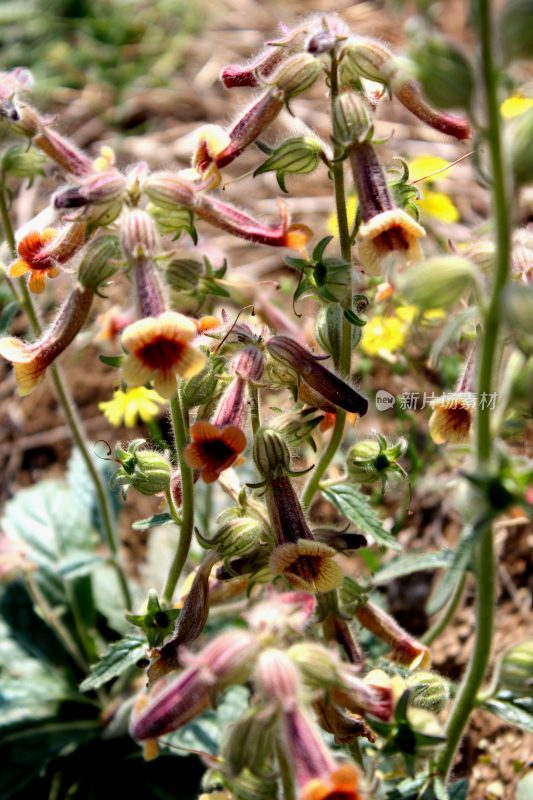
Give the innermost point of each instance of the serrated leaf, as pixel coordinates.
(152, 522)
(409, 563)
(7, 316)
(121, 656)
(458, 566)
(521, 717)
(356, 507)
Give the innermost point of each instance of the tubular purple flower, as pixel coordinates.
(98, 189)
(31, 359)
(226, 660)
(326, 383)
(167, 190)
(279, 678)
(149, 289)
(250, 125)
(249, 364)
(405, 648)
(238, 223)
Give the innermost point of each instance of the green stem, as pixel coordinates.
(254, 407)
(446, 617)
(343, 358)
(286, 772)
(187, 500)
(484, 556)
(69, 410)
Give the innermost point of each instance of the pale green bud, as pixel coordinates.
(271, 454)
(97, 265)
(183, 274)
(516, 669)
(23, 162)
(297, 74)
(444, 71)
(328, 325)
(147, 471)
(316, 663)
(352, 120)
(428, 690)
(438, 282)
(297, 156)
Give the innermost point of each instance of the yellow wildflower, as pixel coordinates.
(432, 204)
(127, 405)
(383, 336)
(515, 106)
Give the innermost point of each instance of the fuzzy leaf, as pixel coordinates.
(518, 713)
(356, 507)
(458, 566)
(152, 522)
(409, 563)
(120, 656)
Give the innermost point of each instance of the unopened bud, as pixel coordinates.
(328, 325)
(428, 690)
(514, 26)
(138, 235)
(279, 678)
(250, 741)
(370, 459)
(367, 58)
(351, 119)
(249, 364)
(516, 669)
(167, 190)
(271, 454)
(297, 74)
(297, 156)
(444, 71)
(183, 274)
(199, 389)
(235, 538)
(520, 135)
(147, 471)
(316, 663)
(438, 282)
(97, 264)
(23, 162)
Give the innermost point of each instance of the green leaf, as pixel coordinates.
(353, 319)
(458, 790)
(152, 522)
(121, 656)
(112, 361)
(519, 715)
(356, 507)
(7, 316)
(409, 563)
(458, 566)
(320, 248)
(75, 566)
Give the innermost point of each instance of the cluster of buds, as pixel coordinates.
(147, 471)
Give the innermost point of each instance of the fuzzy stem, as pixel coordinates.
(286, 772)
(342, 359)
(254, 407)
(187, 500)
(484, 557)
(69, 411)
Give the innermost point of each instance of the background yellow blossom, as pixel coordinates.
(127, 406)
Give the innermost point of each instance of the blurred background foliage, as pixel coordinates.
(121, 44)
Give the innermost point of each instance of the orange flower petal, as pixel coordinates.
(18, 268)
(37, 282)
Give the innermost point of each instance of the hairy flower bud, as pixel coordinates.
(278, 677)
(138, 235)
(428, 690)
(23, 162)
(167, 190)
(444, 71)
(271, 454)
(438, 282)
(183, 274)
(297, 74)
(371, 459)
(515, 673)
(96, 266)
(147, 471)
(351, 119)
(297, 156)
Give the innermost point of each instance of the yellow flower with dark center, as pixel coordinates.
(160, 349)
(126, 406)
(307, 564)
(383, 336)
(341, 784)
(392, 231)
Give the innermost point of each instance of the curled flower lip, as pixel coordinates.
(33, 259)
(214, 449)
(452, 418)
(159, 349)
(307, 565)
(391, 231)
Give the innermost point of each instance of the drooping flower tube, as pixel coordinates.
(385, 228)
(31, 359)
(306, 365)
(305, 563)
